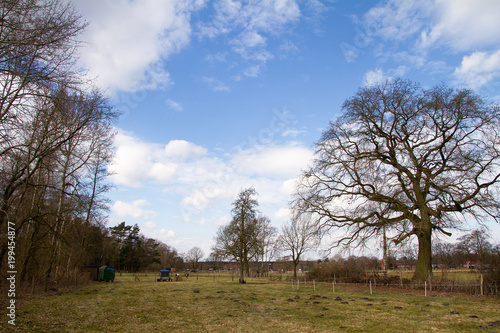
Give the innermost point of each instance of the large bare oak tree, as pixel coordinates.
(415, 160)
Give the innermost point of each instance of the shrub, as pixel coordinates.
(352, 270)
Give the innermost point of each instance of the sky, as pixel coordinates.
(219, 96)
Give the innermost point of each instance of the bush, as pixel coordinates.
(352, 270)
(492, 281)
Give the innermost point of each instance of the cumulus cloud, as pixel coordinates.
(374, 77)
(126, 40)
(215, 84)
(131, 161)
(182, 150)
(407, 32)
(165, 235)
(133, 209)
(282, 161)
(464, 24)
(289, 187)
(282, 214)
(136, 161)
(265, 16)
(459, 24)
(396, 20)
(378, 76)
(150, 225)
(200, 199)
(203, 185)
(249, 26)
(478, 69)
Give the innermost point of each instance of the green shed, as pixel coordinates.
(106, 274)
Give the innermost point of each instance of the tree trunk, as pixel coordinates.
(424, 261)
(384, 251)
(242, 272)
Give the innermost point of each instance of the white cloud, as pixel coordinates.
(289, 186)
(396, 20)
(150, 225)
(202, 186)
(218, 57)
(249, 39)
(378, 76)
(182, 150)
(283, 161)
(251, 23)
(215, 84)
(478, 69)
(136, 161)
(409, 32)
(174, 106)
(459, 24)
(131, 161)
(162, 171)
(464, 24)
(252, 71)
(374, 77)
(126, 40)
(291, 132)
(283, 214)
(200, 199)
(166, 234)
(133, 209)
(266, 16)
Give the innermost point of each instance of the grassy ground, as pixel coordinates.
(458, 276)
(220, 304)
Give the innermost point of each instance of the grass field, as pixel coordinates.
(219, 304)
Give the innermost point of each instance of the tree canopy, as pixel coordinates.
(414, 160)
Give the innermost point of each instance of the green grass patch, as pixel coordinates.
(451, 275)
(218, 303)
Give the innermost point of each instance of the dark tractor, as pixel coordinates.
(164, 275)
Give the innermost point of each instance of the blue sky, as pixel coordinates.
(218, 96)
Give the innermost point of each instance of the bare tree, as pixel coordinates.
(194, 255)
(475, 246)
(169, 256)
(239, 240)
(418, 161)
(37, 44)
(297, 237)
(443, 254)
(268, 241)
(37, 53)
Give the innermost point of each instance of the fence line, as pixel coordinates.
(479, 288)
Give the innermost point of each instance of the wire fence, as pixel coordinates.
(371, 285)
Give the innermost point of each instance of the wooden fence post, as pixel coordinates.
(482, 282)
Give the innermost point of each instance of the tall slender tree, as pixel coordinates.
(239, 240)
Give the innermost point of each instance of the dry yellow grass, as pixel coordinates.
(222, 305)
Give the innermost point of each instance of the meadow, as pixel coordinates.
(218, 303)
